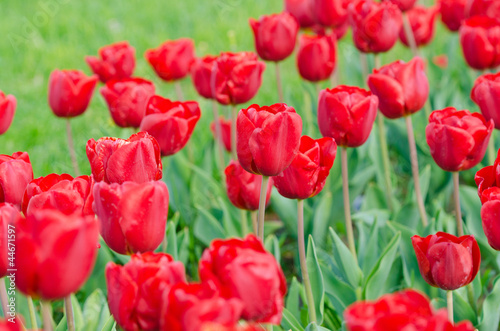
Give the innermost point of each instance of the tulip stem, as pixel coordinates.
(253, 216)
(385, 159)
(334, 78)
(31, 308)
(303, 262)
(262, 207)
(71, 146)
(458, 212)
(364, 66)
(218, 141)
(278, 81)
(47, 316)
(69, 313)
(244, 222)
(234, 115)
(347, 204)
(414, 169)
(410, 37)
(164, 243)
(4, 298)
(178, 91)
(491, 149)
(449, 301)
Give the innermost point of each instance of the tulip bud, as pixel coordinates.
(452, 13)
(9, 216)
(489, 8)
(316, 57)
(7, 110)
(225, 126)
(486, 93)
(115, 61)
(172, 60)
(422, 22)
(302, 10)
(15, 174)
(479, 37)
(201, 75)
(330, 13)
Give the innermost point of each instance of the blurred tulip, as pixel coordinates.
(201, 75)
(11, 324)
(115, 160)
(70, 92)
(316, 57)
(172, 60)
(236, 327)
(226, 132)
(306, 175)
(7, 110)
(302, 11)
(486, 93)
(347, 114)
(55, 252)
(422, 22)
(480, 40)
(457, 139)
(115, 61)
(170, 122)
(489, 8)
(446, 261)
(441, 61)
(127, 100)
(268, 138)
(330, 13)
(15, 175)
(403, 5)
(135, 290)
(452, 13)
(9, 215)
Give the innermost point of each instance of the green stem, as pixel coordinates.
(262, 207)
(491, 149)
(71, 147)
(4, 298)
(410, 37)
(31, 308)
(234, 116)
(278, 81)
(347, 205)
(244, 222)
(68, 306)
(253, 216)
(427, 109)
(178, 91)
(449, 301)
(219, 143)
(47, 316)
(458, 212)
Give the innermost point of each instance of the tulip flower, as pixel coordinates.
(9, 217)
(236, 327)
(330, 13)
(452, 13)
(485, 93)
(132, 216)
(171, 123)
(194, 307)
(422, 22)
(115, 160)
(127, 100)
(201, 75)
(480, 42)
(115, 61)
(172, 59)
(225, 126)
(15, 175)
(489, 8)
(7, 110)
(12, 324)
(302, 10)
(62, 192)
(403, 5)
(242, 269)
(136, 290)
(316, 57)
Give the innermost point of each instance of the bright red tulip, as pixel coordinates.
(489, 8)
(422, 21)
(171, 123)
(236, 327)
(452, 13)
(375, 26)
(307, 174)
(404, 5)
(172, 59)
(457, 139)
(243, 188)
(267, 138)
(243, 269)
(488, 180)
(135, 290)
(127, 100)
(201, 75)
(226, 132)
(316, 57)
(347, 113)
(402, 88)
(480, 40)
(115, 160)
(55, 252)
(9, 217)
(11, 325)
(15, 175)
(330, 13)
(7, 110)
(302, 11)
(115, 61)
(486, 93)
(70, 92)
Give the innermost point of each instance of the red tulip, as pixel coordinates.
(275, 36)
(268, 138)
(15, 175)
(9, 217)
(135, 290)
(7, 110)
(341, 30)
(10, 324)
(316, 57)
(127, 100)
(347, 113)
(302, 11)
(115, 61)
(115, 160)
(489, 8)
(201, 75)
(452, 13)
(237, 327)
(422, 21)
(486, 93)
(480, 40)
(172, 59)
(70, 92)
(404, 5)
(62, 192)
(55, 252)
(330, 13)
(194, 307)
(242, 269)
(171, 123)
(307, 174)
(132, 216)
(402, 88)
(457, 139)
(226, 132)
(375, 26)
(440, 60)
(488, 180)
(243, 188)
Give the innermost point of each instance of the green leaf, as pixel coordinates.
(490, 315)
(368, 255)
(172, 240)
(293, 297)
(289, 322)
(231, 225)
(207, 228)
(183, 245)
(272, 245)
(322, 218)
(287, 212)
(462, 309)
(109, 325)
(95, 311)
(345, 261)
(315, 327)
(316, 279)
(77, 315)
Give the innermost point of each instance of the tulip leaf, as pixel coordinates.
(287, 212)
(293, 297)
(272, 245)
(490, 315)
(230, 226)
(110, 324)
(183, 245)
(316, 278)
(322, 218)
(367, 254)
(289, 322)
(315, 327)
(172, 241)
(207, 228)
(95, 311)
(344, 259)
(340, 293)
(424, 179)
(461, 307)
(77, 315)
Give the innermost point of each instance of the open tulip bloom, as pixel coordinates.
(7, 110)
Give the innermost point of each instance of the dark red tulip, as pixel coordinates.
(115, 61)
(316, 57)
(132, 216)
(457, 139)
(452, 13)
(62, 192)
(402, 88)
(115, 160)
(275, 36)
(9, 217)
(194, 307)
(489, 8)
(7, 110)
(201, 75)
(55, 252)
(488, 180)
(127, 100)
(243, 269)
(422, 21)
(172, 59)
(404, 5)
(480, 40)
(268, 138)
(238, 77)
(341, 30)
(307, 174)
(302, 11)
(330, 13)
(15, 175)
(70, 92)
(375, 25)
(135, 290)
(347, 113)
(243, 188)
(446, 261)
(170, 122)
(226, 132)
(486, 93)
